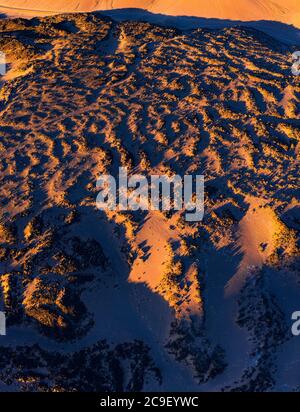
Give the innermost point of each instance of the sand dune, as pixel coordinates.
(84, 95)
(278, 10)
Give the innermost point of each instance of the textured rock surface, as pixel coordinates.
(146, 300)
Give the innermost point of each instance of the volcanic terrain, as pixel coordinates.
(112, 301)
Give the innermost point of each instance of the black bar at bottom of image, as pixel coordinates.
(132, 401)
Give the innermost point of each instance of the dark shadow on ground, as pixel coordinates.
(281, 31)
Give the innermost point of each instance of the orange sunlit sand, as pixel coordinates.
(145, 300)
(245, 10)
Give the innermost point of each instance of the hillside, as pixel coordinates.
(145, 300)
(245, 10)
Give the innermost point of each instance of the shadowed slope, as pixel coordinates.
(244, 10)
(85, 95)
